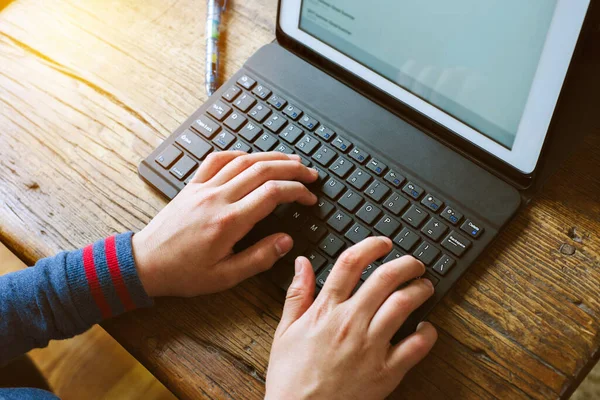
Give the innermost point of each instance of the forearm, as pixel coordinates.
(65, 295)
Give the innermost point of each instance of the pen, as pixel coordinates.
(213, 22)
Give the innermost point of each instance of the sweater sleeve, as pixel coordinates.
(65, 295)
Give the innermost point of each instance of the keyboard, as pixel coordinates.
(359, 194)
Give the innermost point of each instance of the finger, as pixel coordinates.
(255, 259)
(384, 281)
(263, 171)
(299, 295)
(263, 200)
(213, 164)
(349, 266)
(241, 164)
(396, 309)
(409, 352)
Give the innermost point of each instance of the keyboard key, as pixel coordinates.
(426, 253)
(291, 134)
(434, 229)
(322, 277)
(367, 272)
(266, 142)
(250, 132)
(324, 155)
(339, 221)
(434, 204)
(341, 167)
(332, 245)
(277, 101)
(275, 123)
(207, 127)
(295, 216)
(219, 110)
(357, 233)
(472, 229)
(282, 148)
(307, 144)
(395, 254)
(259, 112)
(332, 188)
(456, 243)
(387, 226)
(293, 112)
(323, 175)
(317, 260)
(414, 216)
(314, 231)
(298, 249)
(244, 102)
(305, 162)
(395, 203)
(413, 190)
(246, 82)
(309, 122)
(359, 155)
(322, 209)
(451, 215)
(377, 191)
(394, 178)
(232, 93)
(368, 213)
(406, 239)
(192, 143)
(223, 140)
(350, 200)
(235, 121)
(183, 167)
(241, 146)
(169, 156)
(443, 265)
(359, 179)
(376, 166)
(325, 133)
(342, 144)
(431, 278)
(262, 92)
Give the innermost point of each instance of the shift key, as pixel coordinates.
(192, 143)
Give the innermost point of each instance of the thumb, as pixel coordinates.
(255, 259)
(300, 295)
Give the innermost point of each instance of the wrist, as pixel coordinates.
(143, 264)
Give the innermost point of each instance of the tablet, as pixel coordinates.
(489, 71)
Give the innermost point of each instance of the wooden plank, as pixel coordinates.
(87, 89)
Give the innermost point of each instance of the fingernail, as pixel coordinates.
(283, 245)
(429, 283)
(314, 172)
(298, 266)
(421, 325)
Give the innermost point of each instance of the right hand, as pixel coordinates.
(339, 346)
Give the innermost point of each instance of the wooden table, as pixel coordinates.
(88, 88)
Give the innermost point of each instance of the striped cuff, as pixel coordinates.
(103, 280)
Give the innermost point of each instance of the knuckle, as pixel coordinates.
(401, 301)
(225, 220)
(272, 189)
(348, 259)
(260, 168)
(243, 162)
(387, 276)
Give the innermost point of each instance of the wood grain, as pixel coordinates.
(87, 89)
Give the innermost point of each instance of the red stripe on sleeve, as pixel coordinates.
(110, 250)
(92, 278)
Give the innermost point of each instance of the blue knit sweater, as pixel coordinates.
(65, 295)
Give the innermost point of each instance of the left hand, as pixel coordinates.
(187, 249)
